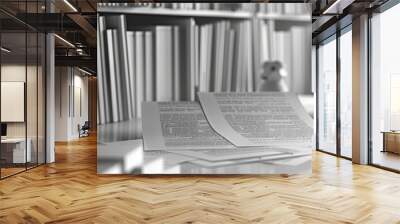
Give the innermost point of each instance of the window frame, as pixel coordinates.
(333, 37)
(371, 13)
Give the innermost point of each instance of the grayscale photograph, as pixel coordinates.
(204, 88)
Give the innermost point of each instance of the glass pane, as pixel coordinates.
(385, 84)
(32, 87)
(31, 99)
(13, 86)
(346, 93)
(23, 88)
(41, 98)
(327, 96)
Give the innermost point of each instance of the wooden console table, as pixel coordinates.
(391, 141)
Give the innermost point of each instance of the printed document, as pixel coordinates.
(258, 119)
(206, 163)
(173, 126)
(238, 153)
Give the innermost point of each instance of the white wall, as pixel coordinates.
(80, 83)
(17, 73)
(61, 103)
(33, 126)
(69, 82)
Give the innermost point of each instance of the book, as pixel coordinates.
(124, 109)
(103, 104)
(249, 57)
(219, 62)
(230, 54)
(243, 74)
(191, 82)
(112, 75)
(163, 63)
(149, 65)
(202, 58)
(238, 72)
(226, 58)
(176, 64)
(132, 74)
(197, 57)
(256, 46)
(210, 35)
(139, 72)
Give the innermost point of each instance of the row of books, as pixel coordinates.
(277, 8)
(225, 58)
(219, 56)
(172, 62)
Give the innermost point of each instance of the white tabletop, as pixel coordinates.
(120, 151)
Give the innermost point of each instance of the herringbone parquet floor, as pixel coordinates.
(69, 191)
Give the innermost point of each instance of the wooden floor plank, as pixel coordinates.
(70, 191)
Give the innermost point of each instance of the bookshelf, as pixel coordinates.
(223, 14)
(186, 49)
(175, 13)
(283, 17)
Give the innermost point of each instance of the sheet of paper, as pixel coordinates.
(162, 159)
(171, 126)
(258, 119)
(229, 154)
(291, 161)
(206, 163)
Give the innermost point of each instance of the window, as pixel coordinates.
(385, 89)
(22, 78)
(327, 95)
(346, 92)
(334, 106)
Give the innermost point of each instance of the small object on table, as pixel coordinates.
(273, 75)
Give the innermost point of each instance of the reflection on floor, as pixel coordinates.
(10, 171)
(386, 159)
(70, 191)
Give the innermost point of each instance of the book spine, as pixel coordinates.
(163, 42)
(149, 73)
(220, 57)
(132, 74)
(239, 62)
(243, 43)
(230, 62)
(117, 73)
(197, 58)
(235, 68)
(123, 69)
(140, 82)
(176, 65)
(209, 56)
(102, 96)
(250, 55)
(192, 93)
(226, 57)
(113, 86)
(203, 59)
(257, 48)
(215, 44)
